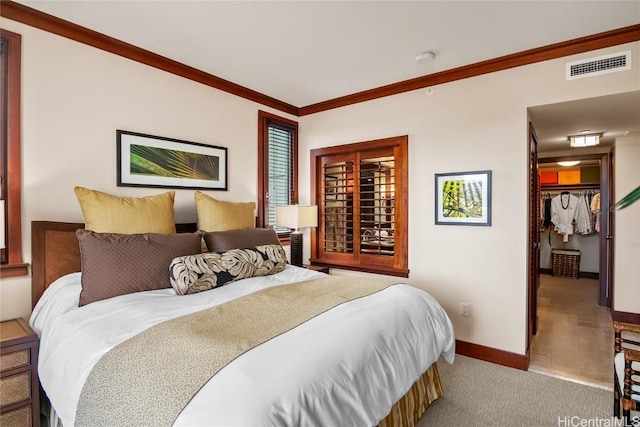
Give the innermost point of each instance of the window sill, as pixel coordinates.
(398, 272)
(14, 270)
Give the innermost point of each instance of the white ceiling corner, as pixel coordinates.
(305, 52)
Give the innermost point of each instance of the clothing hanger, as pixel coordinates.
(562, 199)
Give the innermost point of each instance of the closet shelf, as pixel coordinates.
(569, 187)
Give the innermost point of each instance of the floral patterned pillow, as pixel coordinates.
(196, 273)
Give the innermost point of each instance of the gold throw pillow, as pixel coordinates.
(105, 213)
(217, 215)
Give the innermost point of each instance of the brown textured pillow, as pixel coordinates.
(118, 264)
(220, 241)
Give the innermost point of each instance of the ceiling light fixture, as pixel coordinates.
(426, 57)
(569, 163)
(584, 140)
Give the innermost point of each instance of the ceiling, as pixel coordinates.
(613, 116)
(305, 52)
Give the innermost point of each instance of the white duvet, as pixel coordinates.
(345, 367)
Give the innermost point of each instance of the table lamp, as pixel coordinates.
(296, 217)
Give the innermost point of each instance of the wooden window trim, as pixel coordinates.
(14, 265)
(264, 118)
(400, 265)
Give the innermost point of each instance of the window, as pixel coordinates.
(10, 175)
(277, 167)
(361, 193)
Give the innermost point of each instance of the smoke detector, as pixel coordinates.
(426, 57)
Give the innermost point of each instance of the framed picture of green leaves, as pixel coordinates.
(155, 161)
(463, 198)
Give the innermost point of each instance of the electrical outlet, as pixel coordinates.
(464, 309)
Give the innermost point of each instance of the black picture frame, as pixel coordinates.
(463, 198)
(154, 161)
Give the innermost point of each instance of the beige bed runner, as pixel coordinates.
(150, 378)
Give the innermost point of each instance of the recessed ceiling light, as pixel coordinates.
(569, 163)
(426, 57)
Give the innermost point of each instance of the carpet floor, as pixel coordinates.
(478, 393)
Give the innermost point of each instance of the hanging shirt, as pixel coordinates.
(582, 216)
(563, 210)
(595, 208)
(547, 211)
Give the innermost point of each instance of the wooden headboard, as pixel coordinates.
(55, 252)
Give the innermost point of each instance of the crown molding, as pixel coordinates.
(531, 56)
(43, 21)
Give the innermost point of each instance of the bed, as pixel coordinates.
(368, 361)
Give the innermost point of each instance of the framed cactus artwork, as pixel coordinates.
(463, 198)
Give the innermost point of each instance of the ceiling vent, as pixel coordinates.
(599, 65)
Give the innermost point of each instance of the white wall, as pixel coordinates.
(473, 124)
(74, 97)
(588, 245)
(626, 293)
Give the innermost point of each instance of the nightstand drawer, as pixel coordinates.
(19, 390)
(15, 388)
(17, 418)
(16, 359)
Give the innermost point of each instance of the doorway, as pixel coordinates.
(575, 334)
(611, 116)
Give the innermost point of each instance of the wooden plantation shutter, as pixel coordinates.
(337, 205)
(377, 217)
(360, 190)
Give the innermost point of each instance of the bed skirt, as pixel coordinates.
(407, 411)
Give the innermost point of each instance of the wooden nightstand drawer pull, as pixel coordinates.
(14, 360)
(15, 388)
(18, 418)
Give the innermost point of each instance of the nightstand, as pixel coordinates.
(19, 389)
(320, 268)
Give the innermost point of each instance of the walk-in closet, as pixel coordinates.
(574, 337)
(572, 300)
(570, 219)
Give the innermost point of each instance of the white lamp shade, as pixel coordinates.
(297, 216)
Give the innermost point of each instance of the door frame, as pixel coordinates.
(533, 238)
